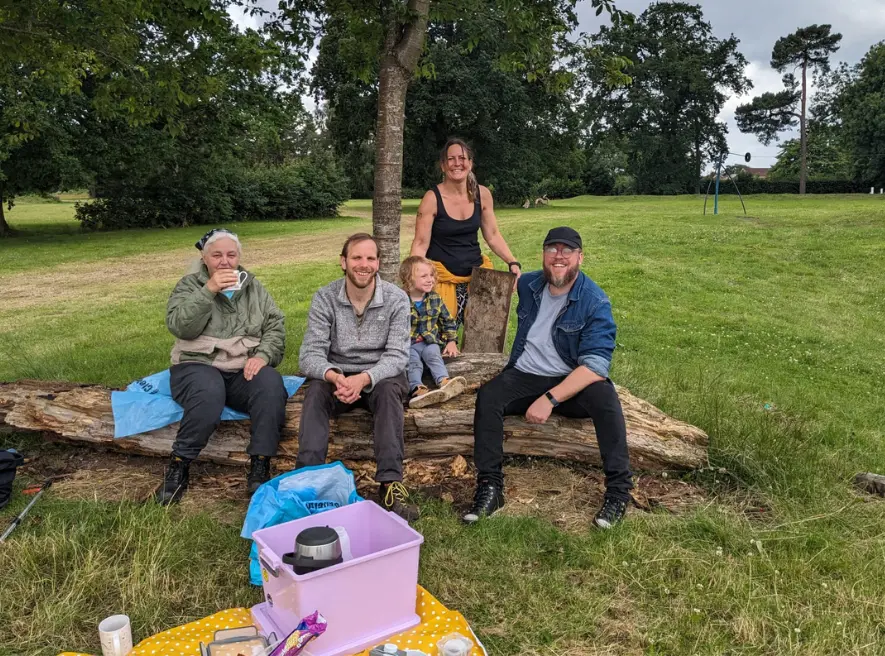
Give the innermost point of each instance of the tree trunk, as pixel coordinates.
(488, 309)
(402, 48)
(83, 414)
(803, 136)
(5, 230)
(697, 164)
(872, 483)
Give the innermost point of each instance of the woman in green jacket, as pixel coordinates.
(230, 336)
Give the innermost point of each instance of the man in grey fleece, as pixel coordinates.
(355, 350)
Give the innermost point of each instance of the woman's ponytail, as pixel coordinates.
(472, 187)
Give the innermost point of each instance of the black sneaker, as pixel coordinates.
(395, 497)
(611, 513)
(175, 482)
(259, 473)
(487, 500)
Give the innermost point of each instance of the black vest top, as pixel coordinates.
(455, 243)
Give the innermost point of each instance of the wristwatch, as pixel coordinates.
(510, 264)
(551, 398)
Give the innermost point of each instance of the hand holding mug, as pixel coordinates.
(222, 279)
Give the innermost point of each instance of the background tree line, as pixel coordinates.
(171, 115)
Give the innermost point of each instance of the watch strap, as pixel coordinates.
(551, 398)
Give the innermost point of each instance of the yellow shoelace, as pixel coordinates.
(396, 491)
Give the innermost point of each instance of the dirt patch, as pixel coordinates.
(567, 495)
(118, 278)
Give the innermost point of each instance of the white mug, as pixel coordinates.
(241, 278)
(116, 635)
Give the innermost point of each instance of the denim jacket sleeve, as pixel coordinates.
(597, 341)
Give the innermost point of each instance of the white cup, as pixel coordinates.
(116, 635)
(241, 278)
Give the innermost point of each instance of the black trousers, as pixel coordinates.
(203, 391)
(512, 392)
(385, 402)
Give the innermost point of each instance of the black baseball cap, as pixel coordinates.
(564, 235)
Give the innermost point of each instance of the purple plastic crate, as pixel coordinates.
(365, 599)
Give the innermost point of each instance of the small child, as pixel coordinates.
(434, 334)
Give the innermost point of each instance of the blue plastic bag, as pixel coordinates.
(147, 405)
(293, 495)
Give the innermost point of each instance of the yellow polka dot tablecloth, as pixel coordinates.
(436, 622)
(185, 640)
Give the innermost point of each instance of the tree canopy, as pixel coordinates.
(862, 108)
(682, 75)
(771, 113)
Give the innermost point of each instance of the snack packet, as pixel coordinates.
(309, 628)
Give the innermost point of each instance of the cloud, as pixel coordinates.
(765, 79)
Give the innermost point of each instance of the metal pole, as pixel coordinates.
(15, 522)
(716, 196)
(706, 195)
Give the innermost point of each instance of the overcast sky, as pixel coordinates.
(758, 24)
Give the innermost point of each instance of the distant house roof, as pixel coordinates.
(759, 172)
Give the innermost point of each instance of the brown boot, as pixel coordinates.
(395, 497)
(418, 393)
(448, 389)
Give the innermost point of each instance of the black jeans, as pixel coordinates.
(385, 402)
(512, 392)
(203, 391)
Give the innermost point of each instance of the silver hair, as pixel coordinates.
(197, 264)
(222, 234)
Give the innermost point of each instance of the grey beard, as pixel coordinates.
(569, 277)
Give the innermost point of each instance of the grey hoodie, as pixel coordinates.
(335, 340)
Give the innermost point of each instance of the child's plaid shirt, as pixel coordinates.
(433, 325)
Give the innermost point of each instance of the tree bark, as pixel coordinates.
(803, 136)
(488, 309)
(5, 230)
(83, 414)
(399, 60)
(872, 483)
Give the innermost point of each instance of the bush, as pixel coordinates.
(413, 193)
(559, 188)
(312, 187)
(598, 181)
(127, 206)
(625, 185)
(309, 188)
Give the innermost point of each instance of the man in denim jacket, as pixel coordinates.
(559, 363)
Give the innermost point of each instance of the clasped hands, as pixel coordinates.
(348, 388)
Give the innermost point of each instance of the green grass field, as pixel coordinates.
(766, 331)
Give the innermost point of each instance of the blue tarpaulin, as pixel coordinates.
(147, 405)
(293, 495)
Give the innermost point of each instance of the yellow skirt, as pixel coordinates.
(446, 282)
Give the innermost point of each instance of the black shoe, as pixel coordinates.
(487, 500)
(395, 497)
(174, 482)
(611, 513)
(259, 473)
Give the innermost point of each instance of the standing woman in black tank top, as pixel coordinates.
(450, 217)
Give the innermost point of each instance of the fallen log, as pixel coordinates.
(872, 483)
(83, 414)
